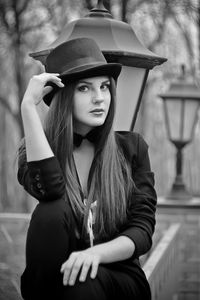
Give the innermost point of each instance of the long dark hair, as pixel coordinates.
(111, 182)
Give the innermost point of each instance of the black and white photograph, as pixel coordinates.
(100, 150)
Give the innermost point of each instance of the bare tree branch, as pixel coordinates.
(124, 10)
(23, 7)
(133, 6)
(29, 28)
(15, 115)
(107, 4)
(88, 4)
(6, 105)
(160, 25)
(186, 35)
(3, 16)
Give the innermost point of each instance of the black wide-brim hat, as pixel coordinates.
(76, 59)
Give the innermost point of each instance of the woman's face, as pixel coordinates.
(91, 103)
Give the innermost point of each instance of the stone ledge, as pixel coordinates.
(15, 216)
(152, 263)
(164, 202)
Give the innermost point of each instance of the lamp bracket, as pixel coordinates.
(180, 144)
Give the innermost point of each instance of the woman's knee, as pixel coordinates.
(99, 288)
(49, 232)
(51, 213)
(91, 289)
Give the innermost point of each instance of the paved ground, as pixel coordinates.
(12, 260)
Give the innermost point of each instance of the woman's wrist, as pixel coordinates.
(120, 248)
(27, 104)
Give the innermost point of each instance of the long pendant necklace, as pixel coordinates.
(91, 220)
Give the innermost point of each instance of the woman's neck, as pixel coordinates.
(82, 130)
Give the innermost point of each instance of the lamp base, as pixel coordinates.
(179, 192)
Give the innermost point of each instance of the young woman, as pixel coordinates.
(96, 211)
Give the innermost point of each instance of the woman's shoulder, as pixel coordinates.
(132, 143)
(127, 135)
(134, 139)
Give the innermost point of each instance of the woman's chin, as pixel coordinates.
(98, 122)
(87, 125)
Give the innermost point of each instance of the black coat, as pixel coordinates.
(44, 181)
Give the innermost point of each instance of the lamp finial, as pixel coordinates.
(100, 4)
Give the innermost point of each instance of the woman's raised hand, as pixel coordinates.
(36, 89)
(79, 264)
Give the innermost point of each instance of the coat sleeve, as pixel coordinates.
(42, 179)
(141, 217)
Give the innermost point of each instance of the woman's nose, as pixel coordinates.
(97, 96)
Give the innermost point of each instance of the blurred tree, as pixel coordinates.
(170, 29)
(160, 17)
(21, 22)
(198, 26)
(24, 25)
(124, 11)
(3, 169)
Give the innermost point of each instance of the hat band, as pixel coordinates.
(79, 63)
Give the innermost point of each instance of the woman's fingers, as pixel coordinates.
(45, 77)
(79, 263)
(95, 266)
(46, 90)
(85, 268)
(66, 269)
(54, 79)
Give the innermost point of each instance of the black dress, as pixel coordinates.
(52, 234)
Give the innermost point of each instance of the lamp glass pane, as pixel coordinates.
(128, 90)
(173, 112)
(190, 116)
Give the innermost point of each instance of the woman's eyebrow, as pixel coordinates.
(106, 81)
(89, 82)
(84, 81)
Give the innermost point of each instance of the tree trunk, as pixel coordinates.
(198, 26)
(3, 167)
(107, 4)
(124, 10)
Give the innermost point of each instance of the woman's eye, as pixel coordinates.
(83, 88)
(105, 86)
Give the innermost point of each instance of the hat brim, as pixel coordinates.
(86, 71)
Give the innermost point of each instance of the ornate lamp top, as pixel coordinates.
(184, 87)
(116, 39)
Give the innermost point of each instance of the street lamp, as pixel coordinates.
(181, 103)
(118, 43)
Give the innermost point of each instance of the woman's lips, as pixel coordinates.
(97, 111)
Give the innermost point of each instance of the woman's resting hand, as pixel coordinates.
(80, 263)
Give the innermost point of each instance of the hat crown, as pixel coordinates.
(74, 54)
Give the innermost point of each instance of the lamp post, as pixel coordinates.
(119, 43)
(181, 103)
